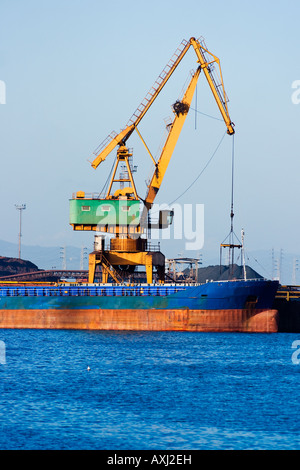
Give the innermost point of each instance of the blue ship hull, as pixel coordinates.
(214, 306)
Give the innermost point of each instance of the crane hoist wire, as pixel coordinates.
(232, 234)
(105, 187)
(201, 172)
(210, 159)
(212, 156)
(206, 115)
(203, 169)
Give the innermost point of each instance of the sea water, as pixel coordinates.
(148, 390)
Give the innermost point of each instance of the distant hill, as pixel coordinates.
(11, 266)
(282, 267)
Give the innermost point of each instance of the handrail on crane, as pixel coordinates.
(217, 89)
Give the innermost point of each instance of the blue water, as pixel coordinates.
(148, 390)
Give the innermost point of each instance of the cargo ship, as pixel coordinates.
(233, 305)
(227, 306)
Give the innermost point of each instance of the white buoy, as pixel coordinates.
(88, 368)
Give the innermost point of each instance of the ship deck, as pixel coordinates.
(85, 289)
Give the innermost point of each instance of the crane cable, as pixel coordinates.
(232, 183)
(104, 189)
(232, 234)
(203, 169)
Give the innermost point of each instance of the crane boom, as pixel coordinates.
(119, 139)
(216, 88)
(181, 109)
(113, 141)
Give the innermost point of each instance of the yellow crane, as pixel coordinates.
(206, 65)
(119, 212)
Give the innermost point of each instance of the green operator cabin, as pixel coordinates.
(104, 214)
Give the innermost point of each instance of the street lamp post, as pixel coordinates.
(20, 208)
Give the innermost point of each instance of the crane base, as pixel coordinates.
(109, 260)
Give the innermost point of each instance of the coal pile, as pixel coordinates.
(225, 273)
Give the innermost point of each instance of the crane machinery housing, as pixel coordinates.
(123, 212)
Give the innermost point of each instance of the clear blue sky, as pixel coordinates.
(76, 70)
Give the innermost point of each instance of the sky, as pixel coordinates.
(75, 70)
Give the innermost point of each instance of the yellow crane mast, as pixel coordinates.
(119, 212)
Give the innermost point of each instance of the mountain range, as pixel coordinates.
(278, 265)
